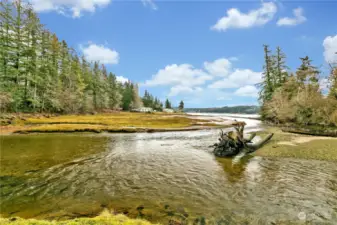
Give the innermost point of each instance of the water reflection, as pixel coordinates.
(235, 171)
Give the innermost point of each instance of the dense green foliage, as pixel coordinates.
(226, 109)
(297, 98)
(39, 73)
(152, 102)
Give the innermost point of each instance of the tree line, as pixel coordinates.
(40, 73)
(244, 109)
(300, 97)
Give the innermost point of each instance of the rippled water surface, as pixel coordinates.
(159, 177)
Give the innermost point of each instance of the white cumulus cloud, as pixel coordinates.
(122, 79)
(296, 20)
(219, 67)
(194, 84)
(330, 49)
(76, 7)
(183, 78)
(179, 89)
(239, 78)
(237, 19)
(247, 91)
(183, 74)
(100, 53)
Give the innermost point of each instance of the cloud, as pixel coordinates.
(183, 75)
(193, 84)
(298, 19)
(247, 91)
(150, 3)
(239, 20)
(212, 97)
(76, 7)
(183, 78)
(122, 79)
(179, 89)
(330, 49)
(239, 78)
(219, 67)
(100, 53)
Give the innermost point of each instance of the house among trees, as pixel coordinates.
(168, 110)
(143, 110)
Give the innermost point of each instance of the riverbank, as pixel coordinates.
(104, 218)
(312, 130)
(284, 144)
(118, 122)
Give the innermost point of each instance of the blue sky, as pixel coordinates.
(205, 53)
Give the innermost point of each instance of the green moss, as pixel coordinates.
(104, 219)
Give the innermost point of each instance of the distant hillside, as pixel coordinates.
(246, 109)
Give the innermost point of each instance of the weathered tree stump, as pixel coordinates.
(233, 142)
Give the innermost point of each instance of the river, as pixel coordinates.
(160, 177)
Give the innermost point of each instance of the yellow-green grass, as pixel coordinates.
(298, 146)
(122, 119)
(104, 219)
(110, 122)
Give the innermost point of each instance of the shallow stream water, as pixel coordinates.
(160, 177)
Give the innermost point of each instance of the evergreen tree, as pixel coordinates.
(113, 91)
(76, 86)
(136, 100)
(267, 83)
(38, 73)
(6, 48)
(147, 99)
(168, 104)
(127, 96)
(306, 72)
(281, 68)
(32, 78)
(45, 86)
(157, 105)
(181, 105)
(18, 40)
(95, 85)
(333, 83)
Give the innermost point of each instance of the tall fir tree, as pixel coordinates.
(114, 92)
(267, 80)
(333, 82)
(307, 72)
(281, 68)
(181, 105)
(168, 104)
(136, 100)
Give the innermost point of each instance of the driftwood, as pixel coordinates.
(233, 142)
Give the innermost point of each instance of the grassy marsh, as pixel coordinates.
(298, 146)
(109, 122)
(104, 219)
